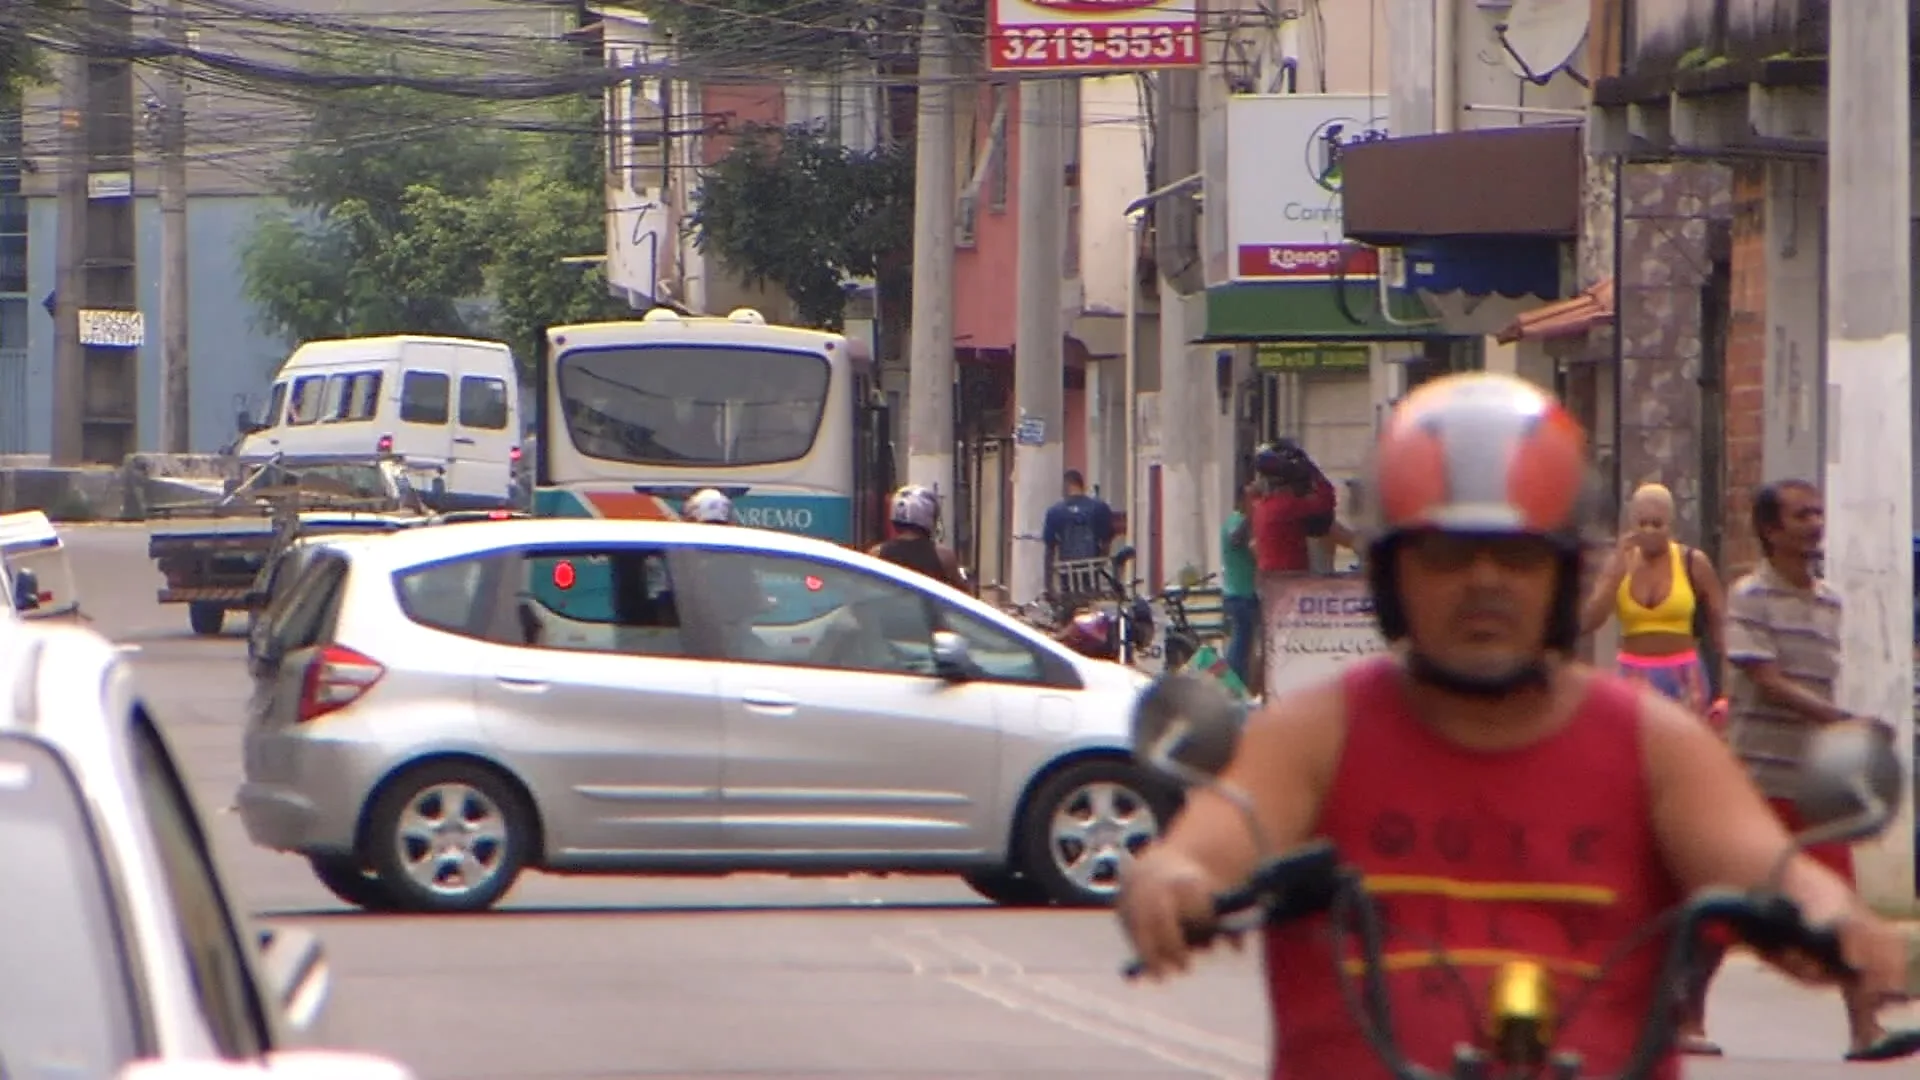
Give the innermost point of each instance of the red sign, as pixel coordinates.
(563, 576)
(1297, 262)
(1091, 36)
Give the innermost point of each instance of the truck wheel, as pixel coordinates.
(206, 618)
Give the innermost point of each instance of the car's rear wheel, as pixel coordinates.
(206, 618)
(449, 836)
(1084, 824)
(1008, 888)
(352, 881)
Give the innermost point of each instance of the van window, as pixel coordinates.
(423, 397)
(352, 397)
(308, 399)
(276, 406)
(483, 402)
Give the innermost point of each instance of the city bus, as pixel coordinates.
(633, 417)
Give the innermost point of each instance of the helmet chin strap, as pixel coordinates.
(1528, 676)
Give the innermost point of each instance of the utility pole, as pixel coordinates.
(70, 255)
(1039, 373)
(176, 432)
(1870, 394)
(930, 369)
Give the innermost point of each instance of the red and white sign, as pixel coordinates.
(1093, 35)
(1284, 211)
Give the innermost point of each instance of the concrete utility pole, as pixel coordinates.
(1039, 367)
(176, 432)
(1870, 393)
(70, 259)
(930, 371)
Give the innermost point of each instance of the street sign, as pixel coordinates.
(112, 329)
(1093, 36)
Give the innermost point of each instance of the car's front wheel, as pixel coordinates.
(1084, 824)
(449, 836)
(1008, 888)
(352, 881)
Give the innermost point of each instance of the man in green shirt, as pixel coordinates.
(1239, 600)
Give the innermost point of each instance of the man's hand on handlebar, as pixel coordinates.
(1875, 949)
(1164, 897)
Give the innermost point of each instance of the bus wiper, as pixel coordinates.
(680, 491)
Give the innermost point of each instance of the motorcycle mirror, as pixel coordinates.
(1187, 726)
(1851, 782)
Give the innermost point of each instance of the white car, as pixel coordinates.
(119, 939)
(436, 710)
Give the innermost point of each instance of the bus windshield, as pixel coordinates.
(692, 405)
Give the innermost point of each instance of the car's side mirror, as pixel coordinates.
(952, 659)
(26, 590)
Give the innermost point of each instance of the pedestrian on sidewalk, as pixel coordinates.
(1783, 643)
(1669, 603)
(1239, 601)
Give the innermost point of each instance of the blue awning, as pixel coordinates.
(1485, 266)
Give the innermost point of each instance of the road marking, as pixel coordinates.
(1004, 981)
(126, 648)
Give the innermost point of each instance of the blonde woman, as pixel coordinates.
(1667, 598)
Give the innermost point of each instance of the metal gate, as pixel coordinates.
(983, 536)
(13, 401)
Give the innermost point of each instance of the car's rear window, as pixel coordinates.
(66, 998)
(455, 595)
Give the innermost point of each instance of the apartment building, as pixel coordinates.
(240, 128)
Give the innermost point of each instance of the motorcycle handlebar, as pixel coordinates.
(1311, 881)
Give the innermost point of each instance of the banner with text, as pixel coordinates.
(1315, 624)
(1284, 157)
(1093, 36)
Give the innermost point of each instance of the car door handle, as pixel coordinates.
(523, 683)
(764, 702)
(463, 440)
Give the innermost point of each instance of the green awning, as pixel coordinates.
(1308, 310)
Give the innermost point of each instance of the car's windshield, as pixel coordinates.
(66, 990)
(693, 405)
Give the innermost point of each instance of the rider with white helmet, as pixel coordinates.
(708, 506)
(914, 512)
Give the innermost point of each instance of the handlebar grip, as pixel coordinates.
(1774, 924)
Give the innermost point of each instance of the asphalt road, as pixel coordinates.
(759, 976)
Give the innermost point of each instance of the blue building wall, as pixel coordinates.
(233, 358)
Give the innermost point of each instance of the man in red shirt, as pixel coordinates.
(1503, 801)
(1292, 501)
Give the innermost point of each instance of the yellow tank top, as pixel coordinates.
(1672, 615)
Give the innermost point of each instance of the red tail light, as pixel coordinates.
(499, 515)
(385, 445)
(513, 454)
(336, 679)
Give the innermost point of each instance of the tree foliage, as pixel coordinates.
(792, 207)
(21, 60)
(768, 35)
(415, 214)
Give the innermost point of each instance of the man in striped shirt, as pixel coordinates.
(1783, 642)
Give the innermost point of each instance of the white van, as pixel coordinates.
(448, 406)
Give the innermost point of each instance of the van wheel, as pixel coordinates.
(1085, 823)
(351, 881)
(448, 837)
(206, 618)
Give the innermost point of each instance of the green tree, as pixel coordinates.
(792, 207)
(21, 59)
(767, 35)
(406, 207)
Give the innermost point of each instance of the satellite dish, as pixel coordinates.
(1541, 36)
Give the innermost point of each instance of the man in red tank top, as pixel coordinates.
(1503, 802)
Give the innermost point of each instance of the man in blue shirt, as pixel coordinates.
(1079, 526)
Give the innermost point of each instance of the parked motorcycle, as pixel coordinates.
(1181, 640)
(1119, 626)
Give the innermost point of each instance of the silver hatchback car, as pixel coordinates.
(437, 710)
